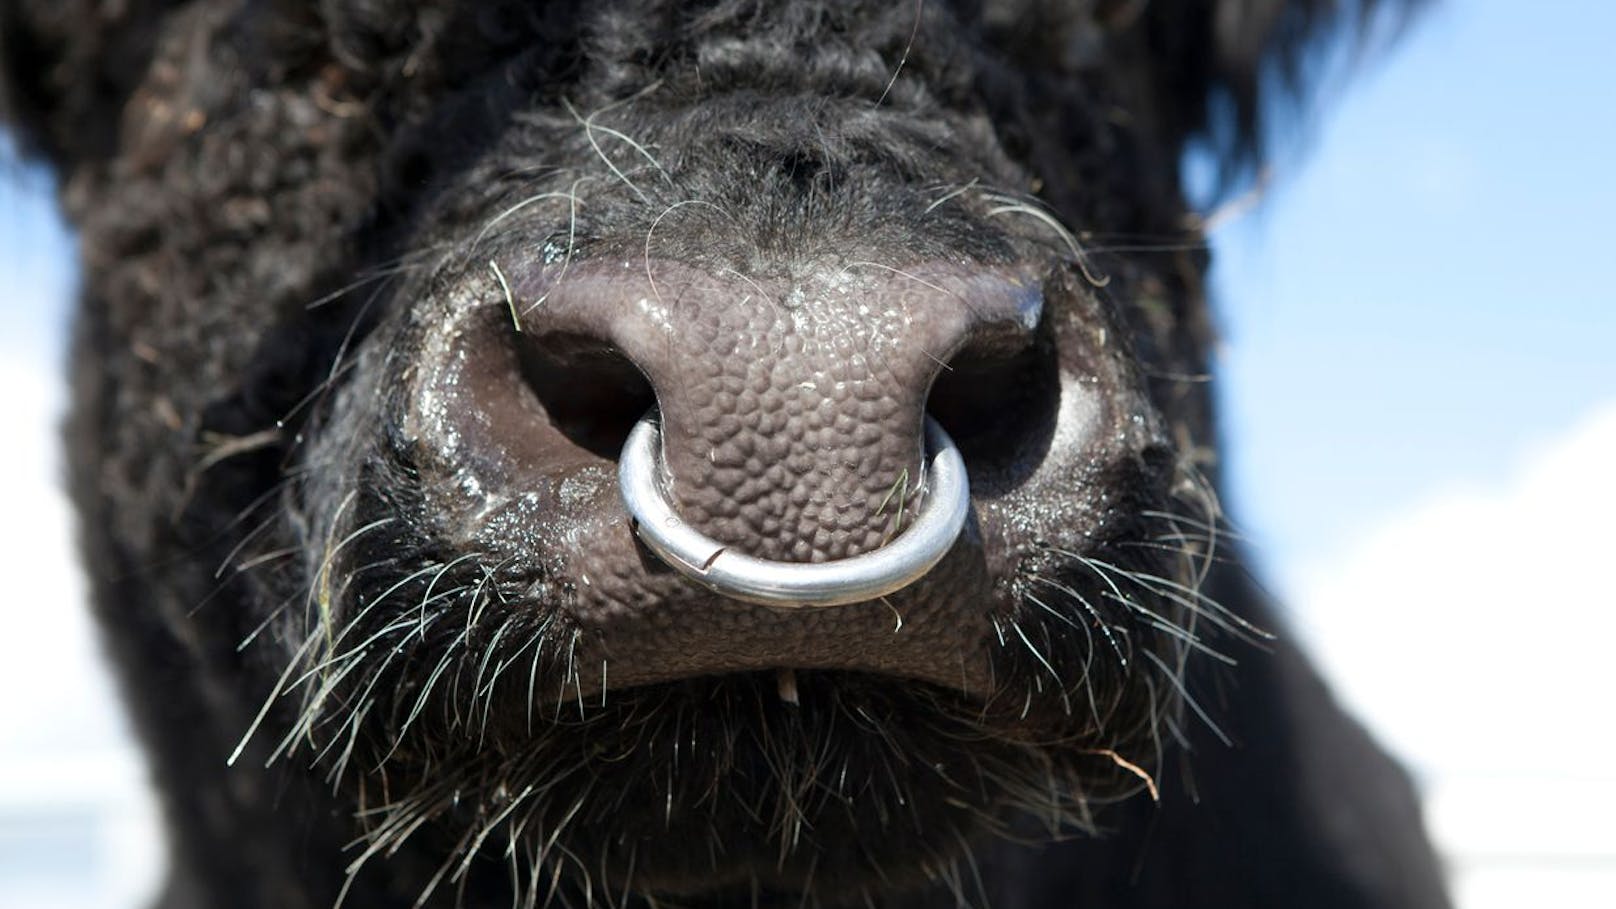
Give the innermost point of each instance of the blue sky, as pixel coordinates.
(1428, 288)
(35, 261)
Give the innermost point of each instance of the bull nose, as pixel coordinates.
(791, 421)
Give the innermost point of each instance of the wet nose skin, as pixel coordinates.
(791, 404)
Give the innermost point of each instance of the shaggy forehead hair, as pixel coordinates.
(278, 200)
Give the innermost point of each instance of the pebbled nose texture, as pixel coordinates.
(791, 403)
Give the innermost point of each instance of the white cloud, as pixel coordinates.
(66, 764)
(50, 652)
(1474, 634)
(1474, 631)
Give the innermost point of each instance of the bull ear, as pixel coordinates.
(68, 66)
(1226, 68)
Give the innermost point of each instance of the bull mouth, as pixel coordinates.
(945, 504)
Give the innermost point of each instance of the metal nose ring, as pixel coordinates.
(739, 576)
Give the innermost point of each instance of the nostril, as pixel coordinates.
(998, 396)
(592, 393)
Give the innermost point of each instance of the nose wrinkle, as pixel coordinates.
(792, 420)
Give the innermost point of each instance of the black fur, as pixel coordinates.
(278, 203)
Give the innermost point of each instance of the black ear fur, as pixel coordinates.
(66, 68)
(1226, 67)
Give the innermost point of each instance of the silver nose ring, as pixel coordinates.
(734, 574)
